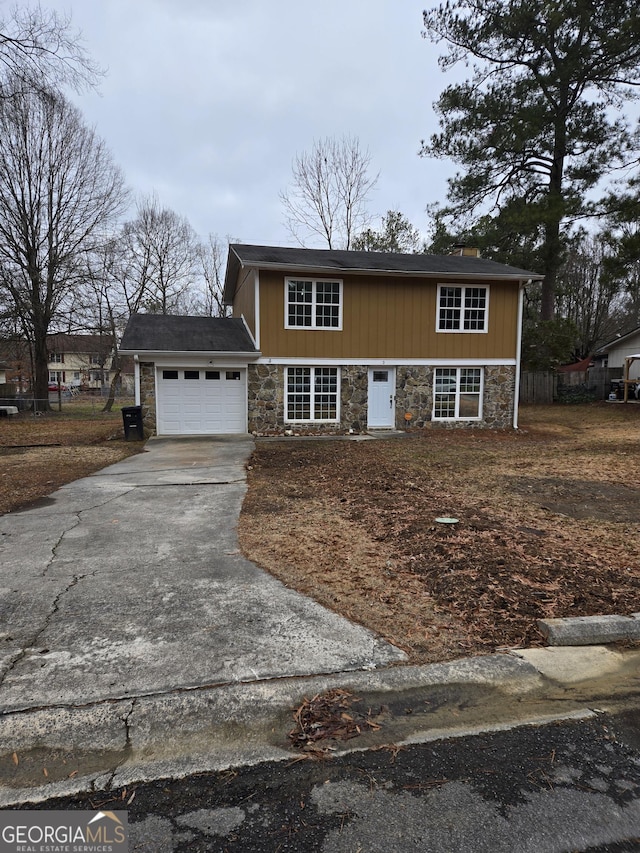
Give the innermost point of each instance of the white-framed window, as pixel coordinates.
(311, 394)
(56, 358)
(463, 309)
(312, 304)
(457, 393)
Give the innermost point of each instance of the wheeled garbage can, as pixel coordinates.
(132, 420)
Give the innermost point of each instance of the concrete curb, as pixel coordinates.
(590, 630)
(117, 743)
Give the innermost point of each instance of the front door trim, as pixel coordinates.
(381, 398)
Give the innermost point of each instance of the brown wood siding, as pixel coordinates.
(244, 301)
(388, 318)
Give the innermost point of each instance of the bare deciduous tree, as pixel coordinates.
(58, 190)
(160, 258)
(328, 194)
(586, 295)
(211, 256)
(39, 51)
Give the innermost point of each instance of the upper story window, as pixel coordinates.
(463, 309)
(56, 358)
(313, 304)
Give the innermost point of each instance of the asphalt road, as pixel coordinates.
(569, 787)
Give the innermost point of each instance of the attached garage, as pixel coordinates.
(193, 401)
(191, 372)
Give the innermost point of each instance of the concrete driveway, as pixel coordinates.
(129, 583)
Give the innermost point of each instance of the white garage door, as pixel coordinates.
(201, 402)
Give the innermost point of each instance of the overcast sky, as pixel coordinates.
(207, 102)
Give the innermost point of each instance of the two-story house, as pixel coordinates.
(79, 361)
(334, 341)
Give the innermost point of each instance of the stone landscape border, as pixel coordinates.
(590, 630)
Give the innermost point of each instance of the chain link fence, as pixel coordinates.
(67, 401)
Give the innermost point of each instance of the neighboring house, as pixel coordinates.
(16, 360)
(613, 354)
(334, 341)
(3, 373)
(80, 361)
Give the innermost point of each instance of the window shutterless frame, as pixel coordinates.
(457, 393)
(313, 304)
(462, 308)
(312, 394)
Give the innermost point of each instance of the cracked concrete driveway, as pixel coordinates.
(129, 583)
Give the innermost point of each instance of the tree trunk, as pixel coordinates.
(554, 215)
(41, 372)
(112, 391)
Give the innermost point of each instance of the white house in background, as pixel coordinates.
(80, 361)
(613, 354)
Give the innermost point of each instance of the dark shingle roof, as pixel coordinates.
(618, 340)
(163, 333)
(332, 260)
(61, 343)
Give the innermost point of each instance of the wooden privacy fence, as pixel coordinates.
(543, 388)
(538, 387)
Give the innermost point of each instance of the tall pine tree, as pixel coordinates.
(540, 123)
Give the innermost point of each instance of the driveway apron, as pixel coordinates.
(130, 583)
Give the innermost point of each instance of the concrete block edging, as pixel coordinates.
(590, 630)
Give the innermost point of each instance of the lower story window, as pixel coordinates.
(312, 393)
(457, 393)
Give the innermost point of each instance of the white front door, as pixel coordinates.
(382, 408)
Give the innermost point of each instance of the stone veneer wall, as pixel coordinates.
(354, 389)
(499, 388)
(266, 401)
(265, 392)
(414, 394)
(148, 394)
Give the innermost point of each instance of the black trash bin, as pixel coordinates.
(132, 420)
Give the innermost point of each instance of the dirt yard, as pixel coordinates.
(547, 526)
(547, 518)
(40, 454)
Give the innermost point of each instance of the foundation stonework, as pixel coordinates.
(353, 398)
(148, 395)
(499, 388)
(414, 396)
(266, 414)
(265, 393)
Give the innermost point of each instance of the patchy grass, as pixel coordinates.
(547, 526)
(40, 454)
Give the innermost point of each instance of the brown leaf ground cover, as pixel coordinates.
(547, 526)
(40, 454)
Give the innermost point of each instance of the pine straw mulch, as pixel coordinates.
(548, 527)
(327, 717)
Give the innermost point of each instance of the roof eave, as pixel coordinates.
(606, 347)
(517, 275)
(244, 354)
(234, 265)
